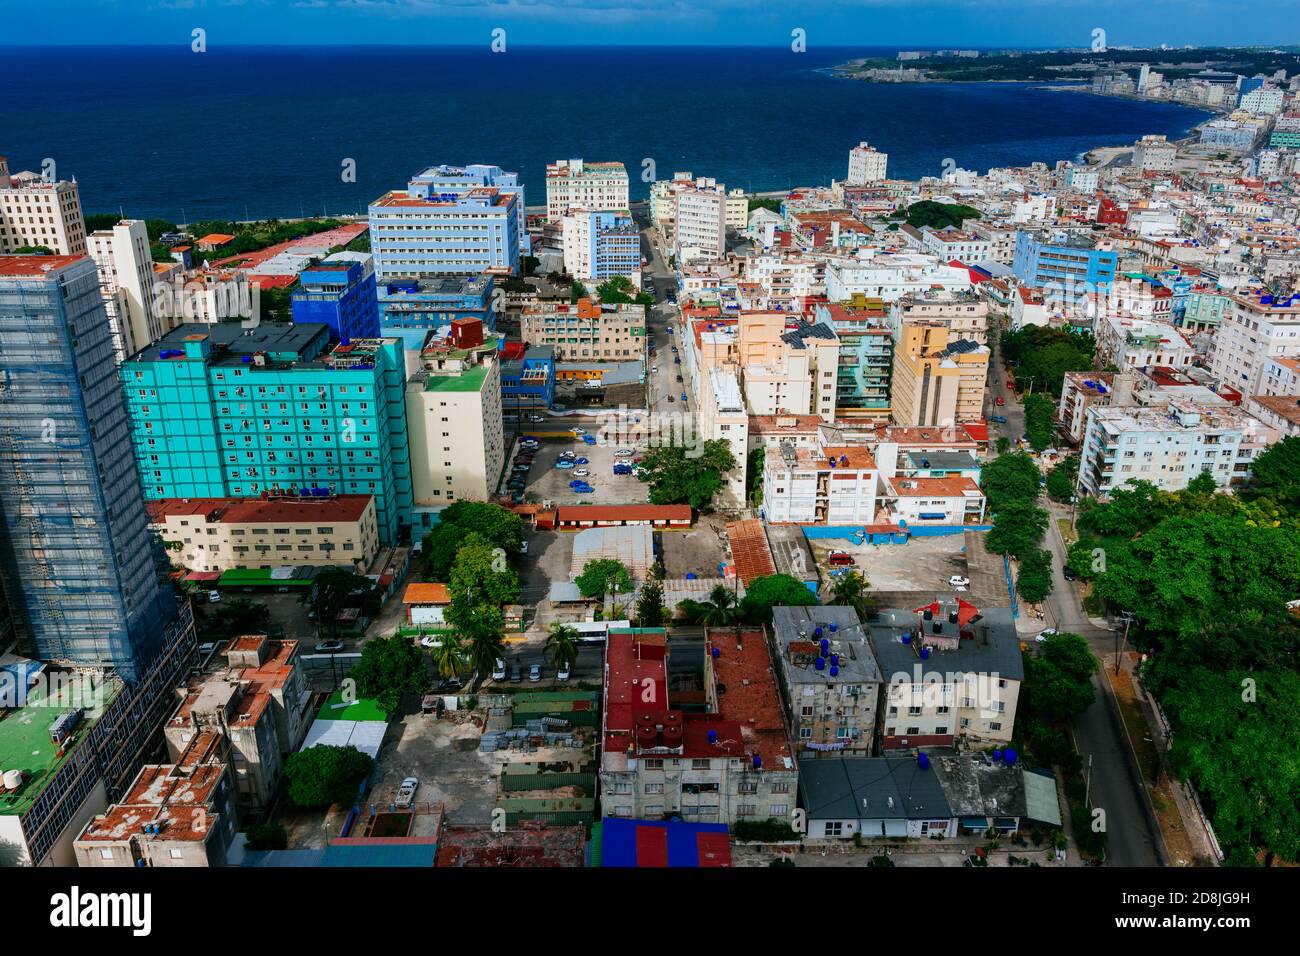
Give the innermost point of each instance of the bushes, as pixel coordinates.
(764, 831)
(1035, 579)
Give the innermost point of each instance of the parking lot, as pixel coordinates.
(548, 483)
(922, 564)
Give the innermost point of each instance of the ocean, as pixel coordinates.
(256, 132)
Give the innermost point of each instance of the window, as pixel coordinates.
(654, 788)
(778, 810)
(834, 828)
(698, 764)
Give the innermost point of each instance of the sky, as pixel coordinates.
(831, 23)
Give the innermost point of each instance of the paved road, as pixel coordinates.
(1116, 782)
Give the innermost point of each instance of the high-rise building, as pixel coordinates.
(219, 411)
(35, 212)
(866, 165)
(77, 562)
(938, 376)
(126, 281)
(450, 219)
(601, 245)
(573, 185)
(341, 292)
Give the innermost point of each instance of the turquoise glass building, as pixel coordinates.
(226, 411)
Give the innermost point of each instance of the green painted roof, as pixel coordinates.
(25, 745)
(470, 380)
(361, 709)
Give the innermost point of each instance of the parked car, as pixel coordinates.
(683, 396)
(564, 463)
(999, 419)
(523, 547)
(679, 378)
(840, 559)
(677, 359)
(589, 439)
(214, 597)
(674, 348)
(568, 455)
(622, 469)
(562, 673)
(1045, 633)
(582, 461)
(536, 418)
(671, 399)
(578, 431)
(584, 489)
(958, 581)
(580, 473)
(430, 640)
(999, 401)
(624, 453)
(535, 673)
(655, 369)
(329, 647)
(1070, 573)
(406, 792)
(499, 671)
(516, 674)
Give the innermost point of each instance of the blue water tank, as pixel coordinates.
(835, 671)
(713, 736)
(834, 627)
(923, 761)
(907, 638)
(826, 646)
(997, 755)
(820, 664)
(925, 653)
(690, 576)
(817, 632)
(835, 660)
(758, 762)
(1009, 756)
(716, 653)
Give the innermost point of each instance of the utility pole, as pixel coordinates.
(1120, 644)
(1087, 783)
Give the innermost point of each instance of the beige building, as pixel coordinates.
(866, 165)
(588, 330)
(218, 534)
(453, 417)
(127, 283)
(966, 314)
(258, 708)
(574, 184)
(34, 212)
(787, 371)
(938, 377)
(175, 815)
(723, 417)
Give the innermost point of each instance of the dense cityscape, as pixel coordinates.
(951, 522)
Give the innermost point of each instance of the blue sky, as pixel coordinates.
(836, 23)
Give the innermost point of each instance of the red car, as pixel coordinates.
(999, 401)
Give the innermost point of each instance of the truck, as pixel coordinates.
(406, 792)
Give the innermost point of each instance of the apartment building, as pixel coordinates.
(866, 165)
(1131, 343)
(127, 284)
(223, 412)
(1167, 446)
(965, 313)
(341, 292)
(1258, 327)
(258, 707)
(174, 815)
(35, 212)
(1280, 376)
(410, 308)
(951, 670)
(586, 330)
(601, 245)
(911, 499)
(1153, 153)
(723, 417)
(830, 678)
(890, 276)
(787, 370)
(453, 406)
(572, 185)
(829, 485)
(700, 222)
(1061, 262)
(731, 763)
(938, 377)
(862, 384)
(219, 534)
(450, 219)
(955, 244)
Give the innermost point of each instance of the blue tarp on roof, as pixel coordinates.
(619, 841)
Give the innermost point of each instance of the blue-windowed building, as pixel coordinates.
(1041, 260)
(219, 411)
(340, 292)
(528, 382)
(411, 307)
(76, 558)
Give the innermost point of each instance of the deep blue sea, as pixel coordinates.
(242, 132)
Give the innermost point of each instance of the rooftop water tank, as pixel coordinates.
(13, 779)
(1009, 756)
(820, 664)
(758, 762)
(835, 671)
(923, 761)
(925, 653)
(713, 736)
(716, 653)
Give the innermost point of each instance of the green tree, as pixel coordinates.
(1042, 355)
(719, 610)
(33, 251)
(1039, 426)
(603, 576)
(334, 589)
(240, 616)
(499, 526)
(1017, 529)
(390, 667)
(1010, 478)
(1235, 736)
(1058, 679)
(1061, 479)
(1034, 582)
(650, 610)
(1203, 484)
(481, 574)
(562, 645)
(322, 775)
(1133, 507)
(528, 265)
(481, 625)
(440, 546)
(449, 658)
(938, 215)
(577, 291)
(1275, 474)
(773, 590)
(676, 476)
(267, 836)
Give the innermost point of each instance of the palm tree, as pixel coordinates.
(449, 656)
(486, 648)
(848, 588)
(720, 609)
(562, 646)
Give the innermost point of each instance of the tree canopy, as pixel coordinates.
(323, 775)
(773, 590)
(603, 576)
(390, 667)
(677, 477)
(1042, 355)
(1058, 678)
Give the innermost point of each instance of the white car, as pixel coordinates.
(957, 581)
(654, 368)
(499, 670)
(624, 453)
(579, 431)
(537, 418)
(580, 473)
(1046, 633)
(214, 597)
(523, 547)
(562, 673)
(430, 641)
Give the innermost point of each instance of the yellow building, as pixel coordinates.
(938, 378)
